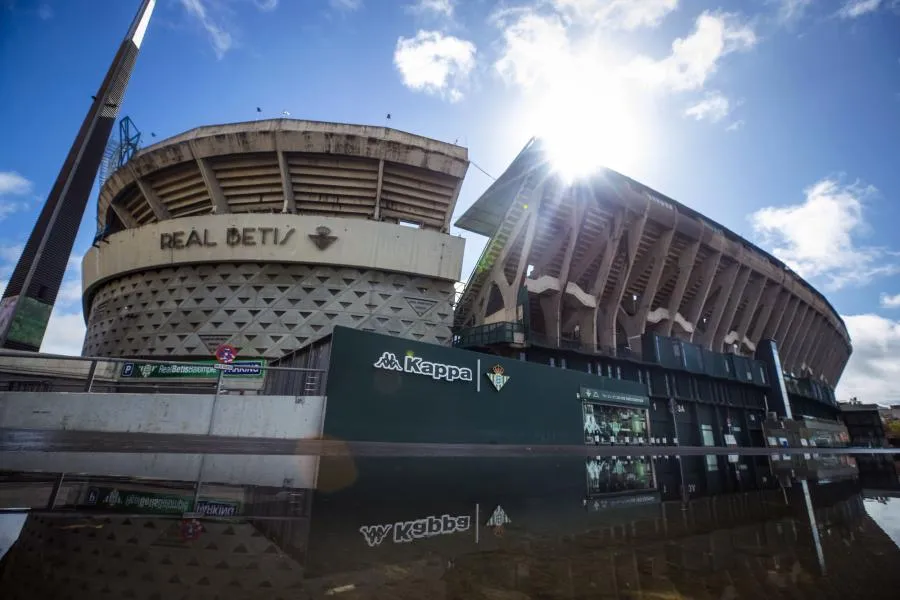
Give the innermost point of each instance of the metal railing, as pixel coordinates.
(491, 333)
(31, 372)
(506, 331)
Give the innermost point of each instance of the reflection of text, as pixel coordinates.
(409, 531)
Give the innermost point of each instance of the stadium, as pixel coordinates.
(265, 235)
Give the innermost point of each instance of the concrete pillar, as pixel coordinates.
(658, 254)
(778, 313)
(793, 334)
(609, 254)
(727, 293)
(287, 186)
(220, 205)
(685, 268)
(610, 307)
(706, 274)
(817, 330)
(769, 300)
(124, 215)
(799, 336)
(159, 209)
(734, 299)
(787, 321)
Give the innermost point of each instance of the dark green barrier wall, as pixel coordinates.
(538, 404)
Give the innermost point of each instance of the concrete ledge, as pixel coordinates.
(358, 243)
(239, 416)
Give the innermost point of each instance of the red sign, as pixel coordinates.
(226, 354)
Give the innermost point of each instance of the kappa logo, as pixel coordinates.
(417, 365)
(410, 531)
(389, 362)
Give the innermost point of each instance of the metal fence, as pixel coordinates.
(26, 372)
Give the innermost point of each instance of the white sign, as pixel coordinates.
(410, 531)
(419, 366)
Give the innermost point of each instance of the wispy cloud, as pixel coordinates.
(13, 185)
(266, 5)
(695, 58)
(438, 8)
(45, 12)
(714, 107)
(435, 63)
(790, 11)
(819, 238)
(857, 8)
(888, 301)
(346, 5)
(220, 39)
(735, 126)
(616, 14)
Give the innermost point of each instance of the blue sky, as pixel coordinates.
(777, 118)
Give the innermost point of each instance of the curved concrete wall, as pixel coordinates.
(356, 243)
(268, 284)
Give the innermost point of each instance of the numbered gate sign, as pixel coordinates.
(226, 354)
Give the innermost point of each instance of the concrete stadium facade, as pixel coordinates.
(266, 234)
(606, 260)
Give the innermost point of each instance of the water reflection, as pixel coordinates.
(449, 528)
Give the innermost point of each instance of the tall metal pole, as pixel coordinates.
(31, 293)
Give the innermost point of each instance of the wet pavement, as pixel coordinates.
(377, 526)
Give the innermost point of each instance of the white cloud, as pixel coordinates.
(616, 14)
(45, 12)
(790, 11)
(714, 107)
(890, 301)
(735, 126)
(873, 373)
(857, 8)
(266, 5)
(65, 333)
(818, 238)
(695, 58)
(535, 46)
(440, 8)
(435, 63)
(347, 5)
(221, 40)
(13, 184)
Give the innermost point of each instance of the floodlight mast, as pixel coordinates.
(31, 293)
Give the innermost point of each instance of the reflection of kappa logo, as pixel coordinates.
(409, 531)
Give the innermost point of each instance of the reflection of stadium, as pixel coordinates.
(267, 234)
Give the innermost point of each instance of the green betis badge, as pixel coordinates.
(497, 377)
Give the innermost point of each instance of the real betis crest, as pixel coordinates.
(497, 377)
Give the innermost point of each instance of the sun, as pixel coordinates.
(587, 121)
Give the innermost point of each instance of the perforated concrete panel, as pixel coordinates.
(264, 310)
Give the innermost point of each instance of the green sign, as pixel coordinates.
(595, 395)
(241, 369)
(29, 322)
(113, 499)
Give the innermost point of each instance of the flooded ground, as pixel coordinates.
(387, 527)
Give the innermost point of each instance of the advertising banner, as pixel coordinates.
(206, 369)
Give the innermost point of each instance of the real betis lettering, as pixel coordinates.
(410, 531)
(234, 236)
(419, 366)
